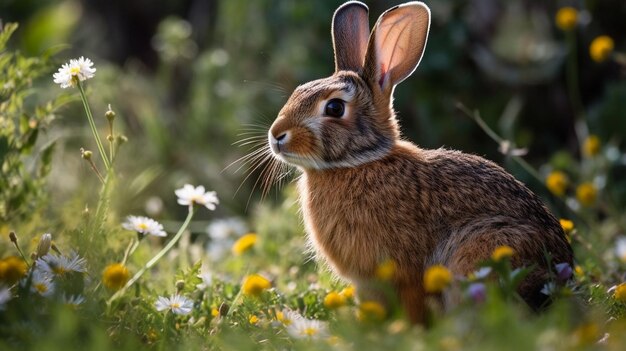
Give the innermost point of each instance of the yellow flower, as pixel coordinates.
(244, 243)
(253, 319)
(115, 276)
(601, 48)
(591, 146)
(334, 300)
(255, 284)
(578, 270)
(502, 252)
(586, 193)
(587, 333)
(436, 278)
(567, 225)
(347, 292)
(12, 269)
(386, 270)
(215, 312)
(557, 183)
(620, 292)
(371, 311)
(566, 18)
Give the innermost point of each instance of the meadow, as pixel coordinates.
(134, 214)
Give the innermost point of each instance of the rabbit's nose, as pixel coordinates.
(277, 141)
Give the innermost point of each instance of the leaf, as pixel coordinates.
(6, 33)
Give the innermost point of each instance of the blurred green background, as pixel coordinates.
(187, 78)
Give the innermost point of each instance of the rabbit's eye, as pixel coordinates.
(334, 108)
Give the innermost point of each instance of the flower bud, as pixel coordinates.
(180, 285)
(13, 237)
(110, 138)
(43, 247)
(121, 139)
(110, 115)
(86, 154)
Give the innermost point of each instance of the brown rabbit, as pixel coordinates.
(368, 196)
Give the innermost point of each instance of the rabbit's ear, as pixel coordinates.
(396, 45)
(350, 33)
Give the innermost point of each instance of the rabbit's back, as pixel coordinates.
(421, 207)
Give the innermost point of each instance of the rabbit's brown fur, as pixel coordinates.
(367, 196)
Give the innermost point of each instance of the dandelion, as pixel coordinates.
(334, 300)
(371, 311)
(115, 276)
(76, 70)
(563, 271)
(255, 284)
(600, 49)
(189, 195)
(253, 319)
(586, 193)
(619, 292)
(436, 278)
(620, 249)
(144, 226)
(502, 252)
(12, 269)
(557, 182)
(244, 243)
(347, 292)
(59, 265)
(215, 312)
(308, 329)
(477, 292)
(591, 146)
(5, 296)
(566, 18)
(41, 284)
(386, 270)
(176, 303)
(567, 225)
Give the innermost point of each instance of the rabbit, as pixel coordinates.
(368, 196)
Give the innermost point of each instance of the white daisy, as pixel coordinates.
(43, 247)
(549, 289)
(41, 284)
(176, 303)
(620, 248)
(77, 69)
(287, 317)
(73, 300)
(58, 265)
(144, 225)
(5, 296)
(226, 228)
(308, 329)
(207, 280)
(189, 195)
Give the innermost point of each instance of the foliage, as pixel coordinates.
(241, 277)
(24, 164)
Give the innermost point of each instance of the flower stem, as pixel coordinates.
(573, 89)
(94, 130)
(157, 257)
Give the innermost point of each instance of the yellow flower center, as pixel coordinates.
(74, 71)
(59, 270)
(175, 305)
(142, 226)
(310, 331)
(42, 288)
